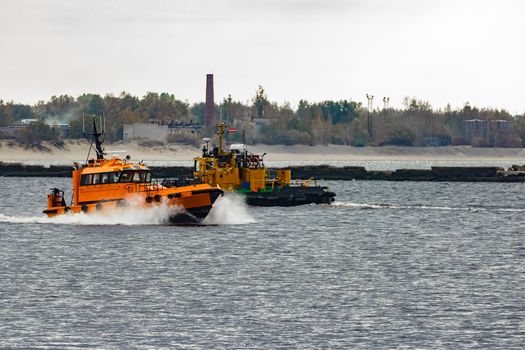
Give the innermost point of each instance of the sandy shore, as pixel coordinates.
(77, 151)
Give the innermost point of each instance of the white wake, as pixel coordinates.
(131, 215)
(228, 210)
(422, 207)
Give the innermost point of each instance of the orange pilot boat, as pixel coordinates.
(101, 184)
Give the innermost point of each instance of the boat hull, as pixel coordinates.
(190, 216)
(192, 203)
(290, 196)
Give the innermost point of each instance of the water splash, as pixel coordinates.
(228, 210)
(231, 209)
(133, 214)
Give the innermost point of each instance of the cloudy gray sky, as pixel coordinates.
(447, 51)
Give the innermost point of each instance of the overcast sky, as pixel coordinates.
(447, 51)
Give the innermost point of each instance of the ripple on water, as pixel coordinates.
(416, 265)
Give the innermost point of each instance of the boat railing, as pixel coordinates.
(305, 183)
(270, 183)
(156, 184)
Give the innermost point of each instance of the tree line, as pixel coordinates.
(260, 120)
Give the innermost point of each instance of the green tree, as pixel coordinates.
(260, 102)
(35, 133)
(5, 119)
(59, 108)
(412, 104)
(339, 111)
(76, 128)
(13, 112)
(118, 111)
(91, 104)
(197, 111)
(163, 107)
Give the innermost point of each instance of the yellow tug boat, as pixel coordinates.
(103, 184)
(237, 170)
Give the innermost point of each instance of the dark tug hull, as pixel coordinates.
(290, 196)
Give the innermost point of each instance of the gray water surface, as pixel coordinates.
(389, 265)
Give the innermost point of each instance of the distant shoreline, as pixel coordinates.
(76, 150)
(304, 172)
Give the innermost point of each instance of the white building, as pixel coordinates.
(151, 131)
(159, 131)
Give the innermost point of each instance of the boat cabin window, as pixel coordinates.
(100, 178)
(85, 180)
(126, 176)
(197, 166)
(113, 177)
(142, 176)
(139, 176)
(96, 179)
(135, 176)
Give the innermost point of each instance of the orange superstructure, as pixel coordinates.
(102, 184)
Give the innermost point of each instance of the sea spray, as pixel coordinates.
(231, 209)
(227, 210)
(132, 214)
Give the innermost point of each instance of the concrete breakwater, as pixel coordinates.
(320, 172)
(460, 174)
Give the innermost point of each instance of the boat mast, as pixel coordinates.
(98, 143)
(95, 139)
(221, 125)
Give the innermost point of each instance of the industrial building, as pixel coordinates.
(159, 130)
(490, 132)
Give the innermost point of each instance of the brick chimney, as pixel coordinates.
(209, 109)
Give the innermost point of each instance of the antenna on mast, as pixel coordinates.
(370, 110)
(386, 100)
